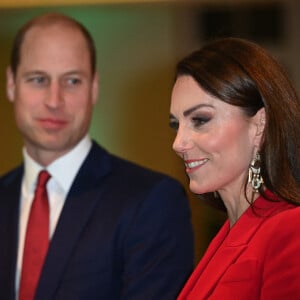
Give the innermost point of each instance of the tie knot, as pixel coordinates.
(43, 178)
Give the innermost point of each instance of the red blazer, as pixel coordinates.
(258, 258)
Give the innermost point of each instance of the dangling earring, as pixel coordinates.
(254, 176)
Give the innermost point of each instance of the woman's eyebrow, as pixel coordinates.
(192, 109)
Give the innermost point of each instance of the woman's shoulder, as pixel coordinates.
(284, 221)
(279, 231)
(291, 212)
(273, 208)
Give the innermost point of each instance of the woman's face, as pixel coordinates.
(216, 140)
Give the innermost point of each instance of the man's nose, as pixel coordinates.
(55, 96)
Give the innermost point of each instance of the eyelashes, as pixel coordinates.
(196, 122)
(174, 124)
(200, 121)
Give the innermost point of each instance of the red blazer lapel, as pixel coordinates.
(226, 247)
(209, 254)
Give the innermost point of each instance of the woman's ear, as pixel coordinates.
(260, 123)
(10, 84)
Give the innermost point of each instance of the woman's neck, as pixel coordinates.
(237, 204)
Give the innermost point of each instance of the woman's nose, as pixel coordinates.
(182, 142)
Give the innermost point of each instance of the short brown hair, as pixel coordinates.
(45, 20)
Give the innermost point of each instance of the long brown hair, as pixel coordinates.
(242, 73)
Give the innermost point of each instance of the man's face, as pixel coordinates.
(53, 91)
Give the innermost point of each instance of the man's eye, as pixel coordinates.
(37, 80)
(73, 81)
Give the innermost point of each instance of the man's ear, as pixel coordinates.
(95, 87)
(10, 84)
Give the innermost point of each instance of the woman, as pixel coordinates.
(237, 118)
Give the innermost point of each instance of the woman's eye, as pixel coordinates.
(174, 124)
(200, 121)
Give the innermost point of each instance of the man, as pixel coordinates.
(117, 231)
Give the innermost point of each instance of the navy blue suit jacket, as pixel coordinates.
(124, 233)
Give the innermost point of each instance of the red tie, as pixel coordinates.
(36, 240)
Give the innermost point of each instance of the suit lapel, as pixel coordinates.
(224, 250)
(79, 206)
(209, 254)
(9, 214)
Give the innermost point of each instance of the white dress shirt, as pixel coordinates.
(63, 172)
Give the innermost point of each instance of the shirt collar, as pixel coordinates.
(63, 169)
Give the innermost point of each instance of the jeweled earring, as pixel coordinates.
(254, 176)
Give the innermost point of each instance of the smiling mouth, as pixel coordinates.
(52, 124)
(195, 164)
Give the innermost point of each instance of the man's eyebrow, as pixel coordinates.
(74, 72)
(34, 72)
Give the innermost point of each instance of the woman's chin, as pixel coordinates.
(196, 189)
